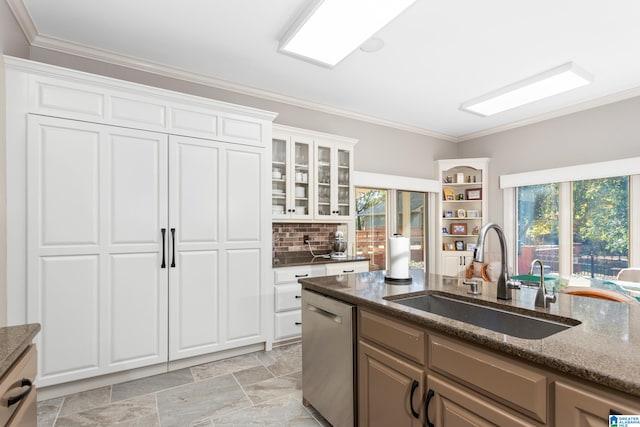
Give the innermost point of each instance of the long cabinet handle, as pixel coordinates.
(301, 275)
(163, 231)
(173, 247)
(430, 394)
(414, 386)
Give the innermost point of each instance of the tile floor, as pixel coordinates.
(258, 389)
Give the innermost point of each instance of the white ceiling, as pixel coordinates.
(437, 55)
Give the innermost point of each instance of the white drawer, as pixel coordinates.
(347, 267)
(292, 274)
(288, 297)
(288, 325)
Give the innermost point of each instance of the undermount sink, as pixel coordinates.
(506, 322)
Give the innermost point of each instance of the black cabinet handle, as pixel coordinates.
(163, 231)
(298, 323)
(301, 275)
(348, 271)
(430, 394)
(18, 397)
(173, 247)
(298, 296)
(414, 386)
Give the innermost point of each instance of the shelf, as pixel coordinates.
(277, 163)
(450, 218)
(458, 235)
(462, 201)
(461, 184)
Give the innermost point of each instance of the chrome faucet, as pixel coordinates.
(542, 297)
(504, 284)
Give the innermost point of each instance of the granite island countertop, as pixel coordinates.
(14, 340)
(604, 348)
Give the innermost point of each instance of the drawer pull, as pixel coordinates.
(414, 386)
(298, 323)
(302, 275)
(430, 394)
(12, 400)
(298, 296)
(348, 271)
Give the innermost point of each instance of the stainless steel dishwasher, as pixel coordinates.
(328, 330)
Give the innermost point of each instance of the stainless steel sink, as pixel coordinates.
(506, 322)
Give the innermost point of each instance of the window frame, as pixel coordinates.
(564, 177)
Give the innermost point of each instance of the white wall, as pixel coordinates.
(609, 132)
(14, 43)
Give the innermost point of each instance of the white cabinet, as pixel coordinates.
(453, 263)
(334, 191)
(133, 241)
(462, 210)
(96, 200)
(291, 176)
(287, 293)
(311, 176)
(346, 267)
(214, 265)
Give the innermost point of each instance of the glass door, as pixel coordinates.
(410, 222)
(301, 172)
(278, 177)
(323, 180)
(371, 226)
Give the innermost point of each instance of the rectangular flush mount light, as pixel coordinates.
(551, 82)
(332, 29)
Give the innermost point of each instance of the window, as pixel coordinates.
(537, 223)
(376, 220)
(597, 219)
(410, 222)
(600, 227)
(371, 226)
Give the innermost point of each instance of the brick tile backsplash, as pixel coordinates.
(289, 237)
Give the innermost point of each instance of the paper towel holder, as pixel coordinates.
(397, 280)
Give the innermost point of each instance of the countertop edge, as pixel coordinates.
(14, 340)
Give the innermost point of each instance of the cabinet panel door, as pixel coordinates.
(385, 386)
(97, 199)
(243, 206)
(454, 405)
(194, 247)
(588, 408)
(243, 294)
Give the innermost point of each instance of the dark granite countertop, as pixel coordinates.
(291, 259)
(603, 349)
(14, 340)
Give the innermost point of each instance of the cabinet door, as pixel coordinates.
(291, 177)
(389, 389)
(334, 165)
(97, 201)
(194, 256)
(450, 404)
(452, 264)
(215, 266)
(588, 408)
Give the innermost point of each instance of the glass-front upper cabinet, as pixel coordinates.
(334, 166)
(292, 158)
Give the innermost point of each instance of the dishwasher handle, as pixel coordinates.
(325, 313)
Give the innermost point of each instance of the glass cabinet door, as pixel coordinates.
(344, 184)
(278, 178)
(301, 161)
(323, 179)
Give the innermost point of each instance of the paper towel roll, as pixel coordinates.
(398, 257)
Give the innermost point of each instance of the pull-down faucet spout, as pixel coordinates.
(504, 284)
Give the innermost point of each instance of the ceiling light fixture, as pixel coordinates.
(552, 82)
(332, 29)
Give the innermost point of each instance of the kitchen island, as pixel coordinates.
(595, 359)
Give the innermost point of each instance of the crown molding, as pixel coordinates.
(24, 19)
